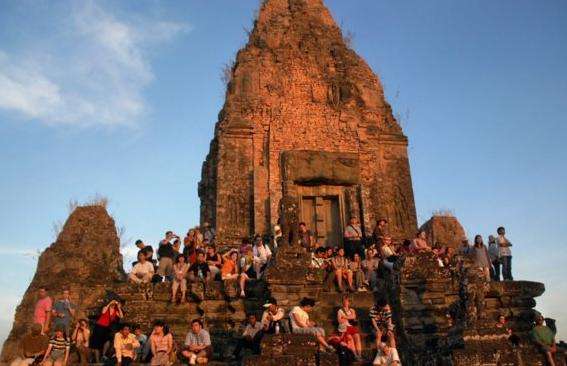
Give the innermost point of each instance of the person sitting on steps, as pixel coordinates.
(229, 272)
(301, 324)
(342, 271)
(198, 348)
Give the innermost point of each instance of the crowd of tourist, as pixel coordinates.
(356, 266)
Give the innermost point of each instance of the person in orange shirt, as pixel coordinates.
(229, 271)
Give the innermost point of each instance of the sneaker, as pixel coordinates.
(362, 289)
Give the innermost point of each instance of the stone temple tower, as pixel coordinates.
(305, 134)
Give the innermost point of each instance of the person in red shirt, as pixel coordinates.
(102, 332)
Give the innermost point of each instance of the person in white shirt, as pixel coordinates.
(505, 254)
(251, 337)
(387, 353)
(262, 255)
(272, 317)
(142, 272)
(301, 324)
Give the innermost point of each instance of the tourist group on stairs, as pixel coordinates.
(361, 264)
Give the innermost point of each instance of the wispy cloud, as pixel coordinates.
(92, 71)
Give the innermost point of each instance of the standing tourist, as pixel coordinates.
(505, 253)
(198, 348)
(161, 343)
(353, 239)
(180, 269)
(125, 346)
(63, 313)
(102, 332)
(481, 257)
(494, 253)
(166, 255)
(42, 311)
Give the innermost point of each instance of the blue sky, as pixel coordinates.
(120, 99)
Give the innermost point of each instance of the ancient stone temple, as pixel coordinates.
(305, 127)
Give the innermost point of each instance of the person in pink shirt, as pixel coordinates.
(42, 312)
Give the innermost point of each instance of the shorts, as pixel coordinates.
(316, 331)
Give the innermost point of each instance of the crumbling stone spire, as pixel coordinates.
(85, 258)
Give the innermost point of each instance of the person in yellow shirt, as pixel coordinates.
(125, 345)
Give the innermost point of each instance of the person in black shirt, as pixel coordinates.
(199, 271)
(166, 255)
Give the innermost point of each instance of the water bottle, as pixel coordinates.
(277, 328)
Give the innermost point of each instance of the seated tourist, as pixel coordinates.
(251, 337)
(247, 261)
(544, 337)
(419, 244)
(208, 232)
(370, 266)
(161, 344)
(387, 353)
(342, 271)
(146, 250)
(480, 257)
(272, 318)
(262, 255)
(57, 353)
(347, 316)
(198, 347)
(142, 351)
(180, 269)
(390, 260)
(125, 346)
(199, 271)
(214, 260)
(344, 344)
(355, 266)
(405, 248)
(142, 272)
(229, 271)
(80, 339)
(33, 346)
(42, 310)
(381, 319)
(63, 313)
(318, 258)
(166, 255)
(301, 324)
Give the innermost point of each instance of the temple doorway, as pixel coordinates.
(322, 215)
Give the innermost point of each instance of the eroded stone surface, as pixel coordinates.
(297, 86)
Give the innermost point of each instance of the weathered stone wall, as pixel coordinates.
(85, 259)
(297, 86)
